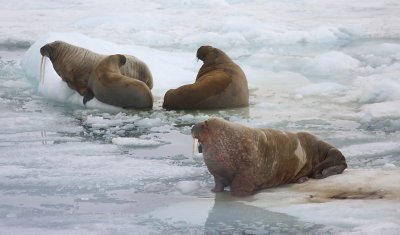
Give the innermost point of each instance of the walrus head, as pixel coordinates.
(46, 51)
(199, 130)
(203, 51)
(212, 55)
(198, 134)
(113, 61)
(51, 49)
(73, 64)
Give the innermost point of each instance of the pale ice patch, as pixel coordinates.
(187, 187)
(270, 106)
(386, 49)
(20, 83)
(323, 89)
(369, 148)
(194, 212)
(311, 201)
(389, 166)
(389, 227)
(105, 120)
(136, 142)
(149, 122)
(380, 91)
(388, 109)
(381, 55)
(24, 230)
(331, 63)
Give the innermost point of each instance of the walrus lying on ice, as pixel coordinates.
(75, 64)
(220, 83)
(250, 159)
(108, 85)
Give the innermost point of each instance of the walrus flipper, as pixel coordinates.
(88, 96)
(333, 164)
(243, 183)
(194, 95)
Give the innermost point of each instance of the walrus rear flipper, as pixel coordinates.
(333, 164)
(195, 95)
(87, 96)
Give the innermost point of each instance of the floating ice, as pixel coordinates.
(369, 148)
(313, 199)
(186, 187)
(324, 89)
(383, 109)
(384, 90)
(135, 142)
(333, 62)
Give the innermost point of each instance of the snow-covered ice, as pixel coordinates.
(327, 67)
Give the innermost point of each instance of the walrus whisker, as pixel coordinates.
(195, 141)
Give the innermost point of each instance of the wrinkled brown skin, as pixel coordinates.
(75, 64)
(250, 159)
(220, 83)
(108, 85)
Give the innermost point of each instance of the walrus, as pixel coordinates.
(251, 159)
(108, 85)
(75, 64)
(220, 83)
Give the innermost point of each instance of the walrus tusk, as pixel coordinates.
(42, 69)
(41, 63)
(195, 141)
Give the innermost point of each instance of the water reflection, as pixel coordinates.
(230, 215)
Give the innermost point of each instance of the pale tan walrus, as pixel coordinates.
(75, 64)
(220, 83)
(108, 85)
(250, 159)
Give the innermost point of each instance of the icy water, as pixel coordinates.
(331, 68)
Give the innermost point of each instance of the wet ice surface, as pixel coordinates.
(332, 71)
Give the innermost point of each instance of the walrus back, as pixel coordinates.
(137, 69)
(122, 91)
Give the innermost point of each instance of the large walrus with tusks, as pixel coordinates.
(220, 83)
(75, 64)
(250, 159)
(108, 85)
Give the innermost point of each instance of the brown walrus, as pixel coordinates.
(108, 85)
(250, 159)
(75, 64)
(220, 83)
